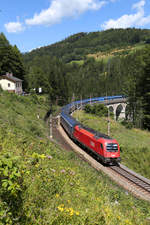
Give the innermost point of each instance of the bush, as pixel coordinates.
(1, 90)
(97, 109)
(11, 183)
(127, 124)
(87, 108)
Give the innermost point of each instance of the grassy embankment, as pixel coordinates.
(43, 184)
(134, 143)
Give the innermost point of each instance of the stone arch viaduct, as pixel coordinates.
(118, 107)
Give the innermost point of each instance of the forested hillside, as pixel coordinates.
(77, 46)
(92, 64)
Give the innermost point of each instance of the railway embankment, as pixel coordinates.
(123, 176)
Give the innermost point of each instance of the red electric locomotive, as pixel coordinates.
(106, 148)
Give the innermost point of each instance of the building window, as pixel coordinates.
(8, 84)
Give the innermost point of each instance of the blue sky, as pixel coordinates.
(30, 24)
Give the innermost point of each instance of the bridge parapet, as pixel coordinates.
(115, 101)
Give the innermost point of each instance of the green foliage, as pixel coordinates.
(16, 129)
(127, 124)
(10, 59)
(10, 176)
(1, 90)
(11, 188)
(97, 109)
(49, 74)
(137, 87)
(144, 88)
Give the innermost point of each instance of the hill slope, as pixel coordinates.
(42, 184)
(77, 46)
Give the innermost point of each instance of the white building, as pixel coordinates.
(10, 83)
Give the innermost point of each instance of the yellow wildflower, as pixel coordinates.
(60, 208)
(128, 222)
(77, 213)
(42, 156)
(57, 195)
(118, 217)
(71, 211)
(37, 165)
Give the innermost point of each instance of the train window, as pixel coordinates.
(102, 146)
(112, 147)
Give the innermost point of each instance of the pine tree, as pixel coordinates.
(10, 59)
(144, 87)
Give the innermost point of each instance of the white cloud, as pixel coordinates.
(139, 5)
(60, 9)
(137, 19)
(14, 27)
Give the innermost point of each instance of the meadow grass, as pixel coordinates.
(53, 186)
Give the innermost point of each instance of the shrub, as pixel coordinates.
(87, 108)
(11, 183)
(1, 90)
(97, 109)
(127, 124)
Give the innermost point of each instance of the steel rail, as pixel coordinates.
(141, 184)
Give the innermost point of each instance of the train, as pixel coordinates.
(105, 148)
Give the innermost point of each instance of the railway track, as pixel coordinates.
(140, 182)
(128, 179)
(135, 183)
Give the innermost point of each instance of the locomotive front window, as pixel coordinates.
(102, 146)
(111, 147)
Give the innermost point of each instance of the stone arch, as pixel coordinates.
(111, 109)
(119, 109)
